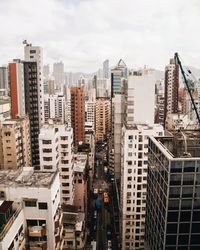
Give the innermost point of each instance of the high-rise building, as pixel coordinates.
(78, 114)
(38, 193)
(15, 143)
(134, 157)
(58, 73)
(17, 92)
(173, 191)
(171, 88)
(35, 54)
(106, 69)
(56, 152)
(117, 73)
(102, 118)
(46, 71)
(141, 96)
(54, 107)
(90, 117)
(4, 77)
(32, 108)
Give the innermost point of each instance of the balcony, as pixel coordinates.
(37, 231)
(39, 245)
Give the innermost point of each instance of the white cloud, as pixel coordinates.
(83, 33)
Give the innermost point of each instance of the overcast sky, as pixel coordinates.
(83, 33)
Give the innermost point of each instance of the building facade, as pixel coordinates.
(173, 197)
(171, 88)
(78, 114)
(102, 118)
(134, 157)
(15, 143)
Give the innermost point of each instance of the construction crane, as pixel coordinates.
(177, 59)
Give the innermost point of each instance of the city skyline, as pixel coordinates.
(84, 33)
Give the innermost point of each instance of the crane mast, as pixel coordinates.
(177, 59)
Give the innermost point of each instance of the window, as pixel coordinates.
(32, 51)
(46, 141)
(47, 150)
(47, 158)
(42, 205)
(30, 203)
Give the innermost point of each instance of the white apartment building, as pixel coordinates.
(56, 145)
(39, 194)
(35, 54)
(54, 107)
(12, 230)
(141, 96)
(90, 112)
(134, 150)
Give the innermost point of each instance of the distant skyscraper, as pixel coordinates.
(46, 70)
(173, 192)
(116, 75)
(3, 77)
(78, 114)
(58, 73)
(171, 88)
(102, 118)
(106, 69)
(35, 54)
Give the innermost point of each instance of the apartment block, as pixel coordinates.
(102, 118)
(56, 152)
(78, 114)
(171, 88)
(35, 54)
(39, 195)
(12, 230)
(54, 107)
(15, 143)
(134, 157)
(80, 182)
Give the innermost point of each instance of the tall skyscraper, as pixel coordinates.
(32, 107)
(46, 70)
(58, 73)
(78, 114)
(171, 88)
(35, 54)
(106, 69)
(173, 192)
(117, 74)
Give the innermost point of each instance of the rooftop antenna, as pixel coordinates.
(26, 43)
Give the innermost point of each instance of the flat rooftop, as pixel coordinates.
(182, 144)
(26, 178)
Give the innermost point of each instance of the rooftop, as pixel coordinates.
(181, 143)
(26, 177)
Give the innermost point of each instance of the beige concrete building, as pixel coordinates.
(102, 118)
(15, 149)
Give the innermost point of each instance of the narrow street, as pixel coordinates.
(103, 217)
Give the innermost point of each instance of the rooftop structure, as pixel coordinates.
(26, 178)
